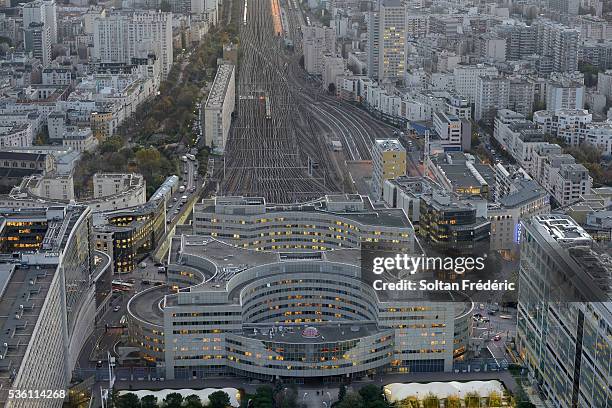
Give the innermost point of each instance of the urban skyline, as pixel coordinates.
(208, 203)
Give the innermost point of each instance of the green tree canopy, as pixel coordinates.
(173, 400)
(218, 399)
(128, 400)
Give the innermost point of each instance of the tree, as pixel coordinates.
(128, 400)
(148, 401)
(218, 399)
(453, 401)
(285, 397)
(341, 392)
(431, 401)
(351, 400)
(408, 402)
(193, 401)
(370, 393)
(331, 88)
(173, 400)
(494, 399)
(472, 400)
(263, 398)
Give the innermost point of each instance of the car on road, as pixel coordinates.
(116, 308)
(497, 337)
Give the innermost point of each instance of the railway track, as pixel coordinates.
(268, 154)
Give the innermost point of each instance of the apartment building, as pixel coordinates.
(492, 94)
(466, 79)
(119, 36)
(318, 41)
(219, 107)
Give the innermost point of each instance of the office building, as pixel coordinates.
(388, 162)
(450, 226)
(53, 289)
(519, 198)
(449, 129)
(564, 314)
(462, 174)
(334, 325)
(128, 235)
(219, 107)
(119, 36)
(333, 222)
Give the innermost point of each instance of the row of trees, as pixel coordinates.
(280, 396)
(217, 399)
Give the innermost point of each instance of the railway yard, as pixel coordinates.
(280, 140)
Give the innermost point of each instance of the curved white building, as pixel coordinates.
(274, 306)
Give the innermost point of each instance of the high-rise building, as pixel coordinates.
(560, 43)
(54, 287)
(522, 95)
(492, 94)
(37, 41)
(42, 11)
(318, 42)
(391, 40)
(120, 36)
(466, 77)
(388, 162)
(565, 6)
(373, 46)
(521, 40)
(564, 312)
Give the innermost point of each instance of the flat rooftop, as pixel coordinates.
(310, 334)
(219, 86)
(23, 299)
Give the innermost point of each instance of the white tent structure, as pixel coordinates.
(203, 394)
(397, 391)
